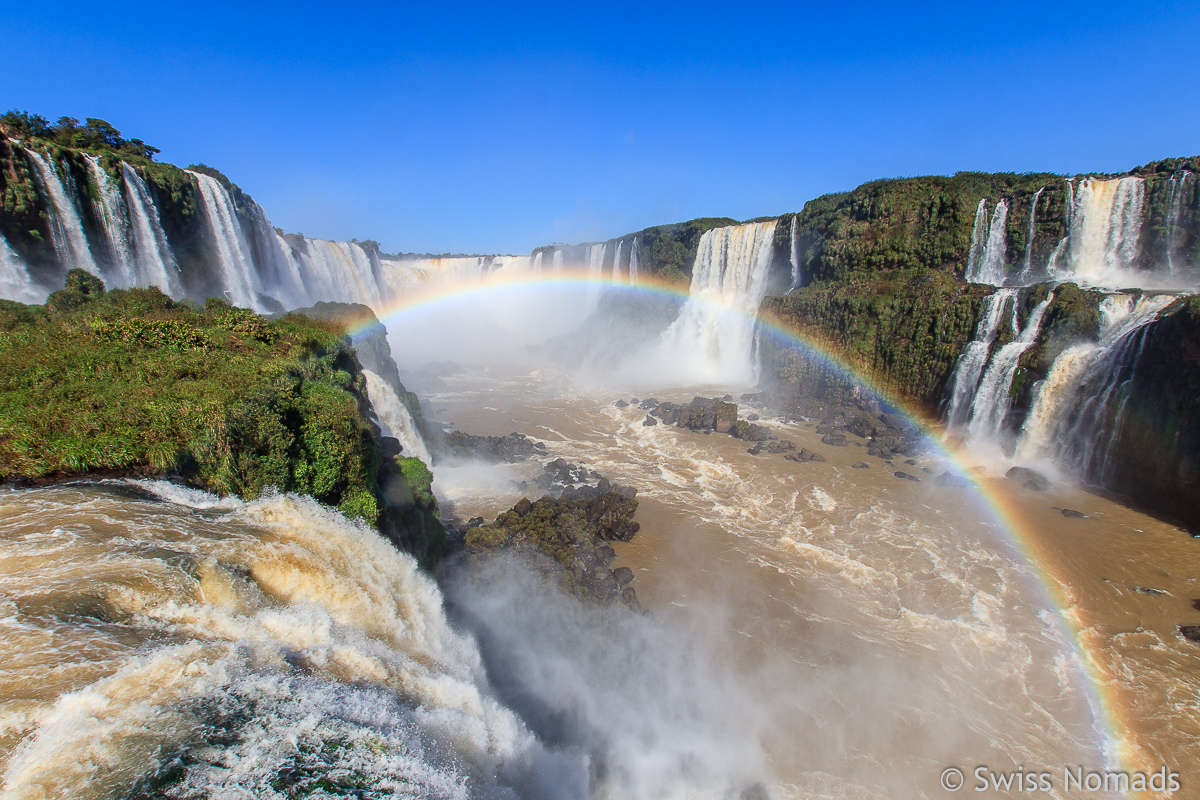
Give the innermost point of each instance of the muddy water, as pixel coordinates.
(913, 632)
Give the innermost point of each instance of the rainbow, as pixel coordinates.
(1004, 513)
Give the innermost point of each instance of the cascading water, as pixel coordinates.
(15, 283)
(66, 229)
(233, 252)
(987, 260)
(616, 267)
(153, 260)
(635, 254)
(241, 642)
(990, 409)
(338, 271)
(970, 364)
(110, 211)
(794, 255)
(395, 417)
(978, 241)
(1178, 186)
(537, 262)
(1027, 269)
(1073, 418)
(712, 340)
(558, 260)
(1105, 227)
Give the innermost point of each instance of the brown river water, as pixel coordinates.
(813, 630)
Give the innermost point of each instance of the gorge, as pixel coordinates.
(813, 622)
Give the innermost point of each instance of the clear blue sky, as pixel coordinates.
(463, 128)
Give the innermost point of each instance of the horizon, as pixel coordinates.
(553, 125)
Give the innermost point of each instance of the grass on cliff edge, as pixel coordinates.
(131, 381)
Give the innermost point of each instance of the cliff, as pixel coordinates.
(129, 382)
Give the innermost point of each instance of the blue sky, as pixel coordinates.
(463, 128)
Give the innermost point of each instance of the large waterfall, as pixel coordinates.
(712, 341)
(987, 261)
(989, 412)
(232, 249)
(66, 228)
(969, 368)
(1105, 228)
(1074, 414)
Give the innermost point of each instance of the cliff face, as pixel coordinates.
(1157, 458)
(927, 222)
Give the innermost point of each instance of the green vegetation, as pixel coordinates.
(904, 331)
(93, 134)
(131, 382)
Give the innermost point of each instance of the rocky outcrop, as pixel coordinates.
(566, 539)
(492, 449)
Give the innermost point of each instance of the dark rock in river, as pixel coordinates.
(649, 421)
(860, 465)
(834, 439)
(907, 477)
(1029, 478)
(950, 479)
(620, 404)
(623, 575)
(805, 455)
(1070, 512)
(512, 448)
(1190, 632)
(912, 462)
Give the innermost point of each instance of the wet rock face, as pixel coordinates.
(493, 449)
(569, 481)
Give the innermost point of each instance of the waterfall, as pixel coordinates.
(537, 262)
(712, 340)
(1027, 269)
(1073, 418)
(395, 418)
(233, 252)
(110, 211)
(595, 259)
(1178, 186)
(987, 263)
(154, 262)
(970, 364)
(66, 229)
(1106, 223)
(794, 256)
(15, 283)
(558, 260)
(634, 258)
(978, 241)
(990, 409)
(339, 271)
(616, 267)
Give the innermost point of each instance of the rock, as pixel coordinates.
(860, 465)
(1150, 590)
(523, 506)
(928, 471)
(727, 398)
(620, 404)
(834, 439)
(649, 421)
(1029, 478)
(950, 479)
(803, 456)
(911, 462)
(475, 522)
(748, 431)
(604, 555)
(907, 477)
(758, 448)
(389, 447)
(1190, 632)
(1073, 514)
(623, 575)
(633, 401)
(512, 448)
(648, 404)
(753, 417)
(780, 446)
